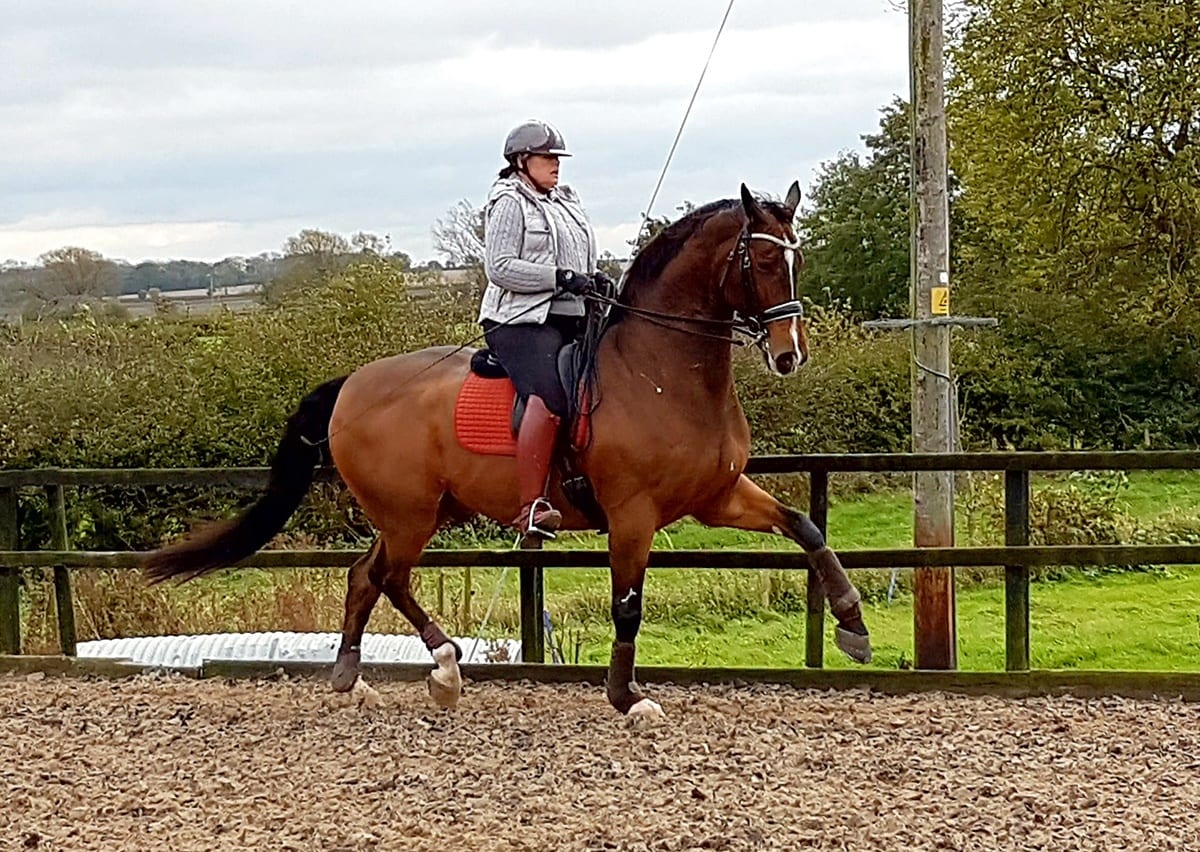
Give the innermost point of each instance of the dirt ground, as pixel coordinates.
(168, 763)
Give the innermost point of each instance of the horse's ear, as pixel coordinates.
(751, 206)
(792, 201)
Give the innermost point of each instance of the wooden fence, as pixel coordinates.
(1016, 556)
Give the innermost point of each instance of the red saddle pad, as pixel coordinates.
(483, 416)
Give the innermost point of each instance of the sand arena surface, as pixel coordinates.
(169, 763)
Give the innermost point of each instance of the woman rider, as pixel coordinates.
(540, 259)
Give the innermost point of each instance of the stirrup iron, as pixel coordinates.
(531, 528)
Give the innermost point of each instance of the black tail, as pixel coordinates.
(292, 469)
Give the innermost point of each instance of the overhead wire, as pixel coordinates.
(683, 123)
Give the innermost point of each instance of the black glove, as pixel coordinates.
(603, 284)
(578, 283)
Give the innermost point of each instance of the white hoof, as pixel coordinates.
(445, 682)
(364, 695)
(646, 711)
(857, 648)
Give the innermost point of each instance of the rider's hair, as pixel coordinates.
(516, 164)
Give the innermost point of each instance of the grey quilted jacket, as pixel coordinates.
(527, 236)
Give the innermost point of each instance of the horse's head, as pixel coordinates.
(747, 248)
(762, 288)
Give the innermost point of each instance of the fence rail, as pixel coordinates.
(256, 477)
(1016, 556)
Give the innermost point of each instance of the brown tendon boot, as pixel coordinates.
(538, 520)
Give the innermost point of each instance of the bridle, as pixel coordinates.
(753, 325)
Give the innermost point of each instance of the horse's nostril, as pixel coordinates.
(786, 362)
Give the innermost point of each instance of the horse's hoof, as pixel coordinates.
(854, 646)
(445, 694)
(646, 711)
(366, 696)
(345, 671)
(445, 682)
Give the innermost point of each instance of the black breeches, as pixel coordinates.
(529, 352)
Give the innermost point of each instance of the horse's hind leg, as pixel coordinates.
(393, 575)
(748, 507)
(365, 585)
(361, 596)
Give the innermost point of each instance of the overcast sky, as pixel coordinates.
(148, 129)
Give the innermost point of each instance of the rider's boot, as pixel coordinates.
(538, 520)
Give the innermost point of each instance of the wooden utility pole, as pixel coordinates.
(932, 385)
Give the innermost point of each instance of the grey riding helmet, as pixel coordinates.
(534, 137)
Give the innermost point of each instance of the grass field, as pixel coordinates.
(1148, 621)
(1140, 620)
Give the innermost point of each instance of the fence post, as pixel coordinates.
(1016, 577)
(814, 622)
(533, 631)
(63, 600)
(10, 578)
(464, 610)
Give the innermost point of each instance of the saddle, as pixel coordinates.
(485, 365)
(488, 414)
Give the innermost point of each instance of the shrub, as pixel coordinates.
(853, 396)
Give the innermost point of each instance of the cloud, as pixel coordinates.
(156, 240)
(194, 127)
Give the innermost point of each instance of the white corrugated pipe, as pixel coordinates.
(286, 647)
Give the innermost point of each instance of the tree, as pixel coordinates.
(312, 242)
(459, 236)
(69, 277)
(1075, 128)
(650, 229)
(15, 279)
(373, 244)
(79, 272)
(655, 225)
(311, 258)
(229, 272)
(610, 264)
(856, 226)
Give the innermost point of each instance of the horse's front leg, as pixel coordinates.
(748, 507)
(629, 541)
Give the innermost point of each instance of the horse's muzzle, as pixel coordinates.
(785, 348)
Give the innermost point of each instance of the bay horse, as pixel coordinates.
(669, 439)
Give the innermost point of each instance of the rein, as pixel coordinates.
(664, 320)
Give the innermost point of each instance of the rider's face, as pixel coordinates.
(542, 170)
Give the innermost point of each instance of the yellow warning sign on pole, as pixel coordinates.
(939, 301)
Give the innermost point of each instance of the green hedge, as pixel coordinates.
(215, 391)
